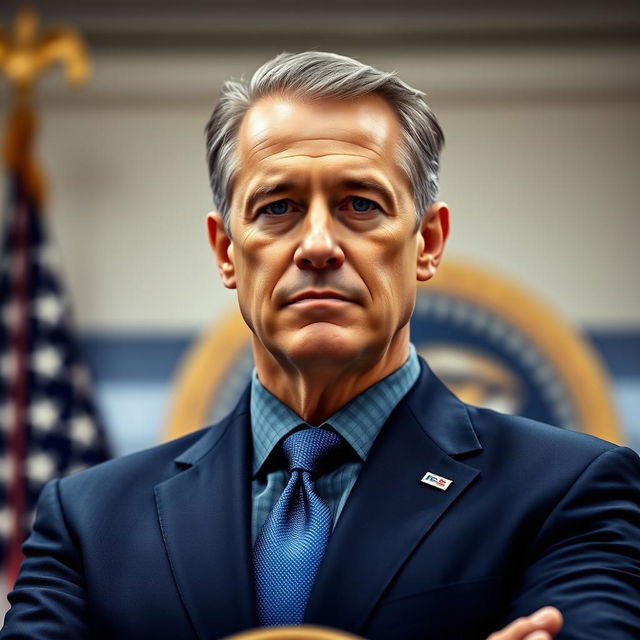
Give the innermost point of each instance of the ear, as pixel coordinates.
(222, 247)
(433, 233)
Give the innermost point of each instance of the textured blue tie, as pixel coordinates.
(292, 541)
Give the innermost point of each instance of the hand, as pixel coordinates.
(541, 625)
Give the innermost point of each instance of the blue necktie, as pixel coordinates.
(292, 541)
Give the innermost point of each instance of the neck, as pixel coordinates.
(316, 390)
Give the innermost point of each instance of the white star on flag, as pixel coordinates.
(40, 467)
(47, 361)
(48, 309)
(43, 414)
(82, 430)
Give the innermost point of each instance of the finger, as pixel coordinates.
(517, 630)
(539, 635)
(547, 620)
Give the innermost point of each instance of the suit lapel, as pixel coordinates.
(390, 510)
(204, 513)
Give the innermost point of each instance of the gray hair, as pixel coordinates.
(318, 75)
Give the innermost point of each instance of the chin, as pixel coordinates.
(323, 343)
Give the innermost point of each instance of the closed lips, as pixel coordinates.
(319, 295)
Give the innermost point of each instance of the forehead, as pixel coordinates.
(280, 130)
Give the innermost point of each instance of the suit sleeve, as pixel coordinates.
(586, 561)
(49, 598)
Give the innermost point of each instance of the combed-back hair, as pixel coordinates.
(317, 75)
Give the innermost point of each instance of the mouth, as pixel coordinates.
(315, 295)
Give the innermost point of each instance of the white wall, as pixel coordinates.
(540, 169)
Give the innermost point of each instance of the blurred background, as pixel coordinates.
(539, 102)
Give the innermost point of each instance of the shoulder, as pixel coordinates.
(511, 428)
(130, 481)
(503, 441)
(529, 445)
(128, 473)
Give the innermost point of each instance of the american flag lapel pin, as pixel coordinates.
(436, 481)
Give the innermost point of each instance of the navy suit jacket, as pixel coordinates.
(157, 544)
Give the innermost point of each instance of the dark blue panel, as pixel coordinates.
(135, 357)
(620, 350)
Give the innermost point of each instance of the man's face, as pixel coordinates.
(324, 251)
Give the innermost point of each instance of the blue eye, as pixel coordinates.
(278, 207)
(362, 205)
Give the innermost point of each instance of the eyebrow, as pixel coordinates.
(371, 185)
(264, 191)
(268, 190)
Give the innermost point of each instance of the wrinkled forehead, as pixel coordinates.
(275, 125)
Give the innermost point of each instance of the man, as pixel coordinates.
(348, 488)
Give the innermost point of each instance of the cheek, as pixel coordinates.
(400, 285)
(254, 289)
(258, 269)
(395, 271)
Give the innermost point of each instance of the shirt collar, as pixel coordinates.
(358, 422)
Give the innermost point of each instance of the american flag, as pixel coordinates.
(48, 422)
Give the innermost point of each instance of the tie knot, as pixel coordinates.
(308, 449)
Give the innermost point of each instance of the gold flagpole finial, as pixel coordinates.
(29, 54)
(25, 55)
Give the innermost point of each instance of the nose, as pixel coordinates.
(319, 247)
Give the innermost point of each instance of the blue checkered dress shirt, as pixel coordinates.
(358, 422)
